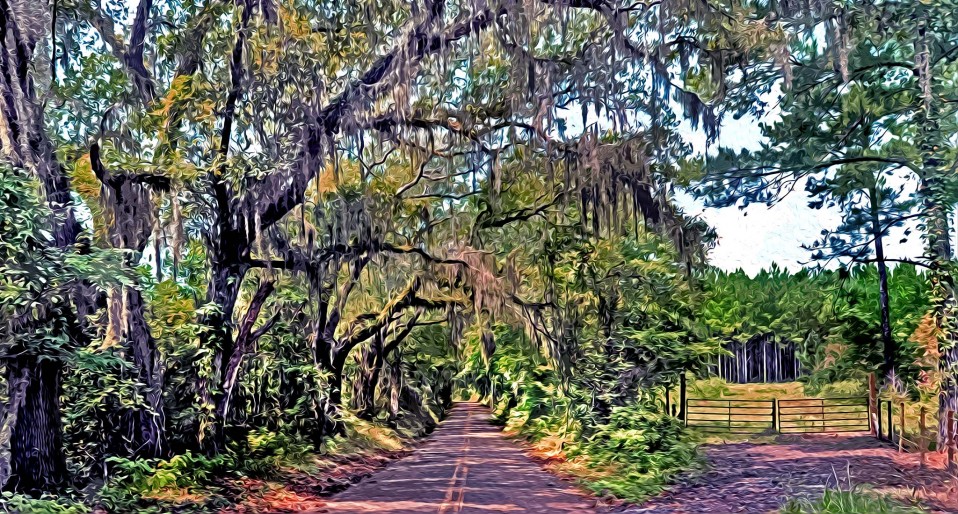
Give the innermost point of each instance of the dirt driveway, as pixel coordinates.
(757, 478)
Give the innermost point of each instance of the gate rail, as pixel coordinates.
(791, 416)
(730, 416)
(823, 415)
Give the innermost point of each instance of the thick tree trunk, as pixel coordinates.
(31, 419)
(151, 433)
(367, 380)
(37, 463)
(217, 336)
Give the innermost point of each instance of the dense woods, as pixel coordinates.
(232, 232)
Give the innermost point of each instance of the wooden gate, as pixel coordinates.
(730, 416)
(823, 415)
(796, 416)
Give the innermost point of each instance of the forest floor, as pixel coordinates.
(469, 466)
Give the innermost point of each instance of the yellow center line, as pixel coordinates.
(456, 493)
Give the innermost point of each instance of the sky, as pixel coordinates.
(757, 236)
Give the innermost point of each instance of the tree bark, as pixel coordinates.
(888, 344)
(226, 277)
(244, 342)
(151, 434)
(128, 200)
(932, 190)
(31, 418)
(33, 408)
(367, 379)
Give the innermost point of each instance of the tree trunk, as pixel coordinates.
(395, 386)
(245, 340)
(336, 388)
(226, 277)
(152, 419)
(128, 201)
(32, 421)
(367, 379)
(933, 192)
(888, 344)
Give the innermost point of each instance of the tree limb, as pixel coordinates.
(278, 193)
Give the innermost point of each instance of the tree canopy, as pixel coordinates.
(227, 219)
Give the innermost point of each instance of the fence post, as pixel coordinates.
(922, 443)
(776, 426)
(873, 406)
(668, 401)
(682, 399)
(878, 417)
(901, 435)
(950, 430)
(891, 426)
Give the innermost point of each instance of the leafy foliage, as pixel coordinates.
(233, 232)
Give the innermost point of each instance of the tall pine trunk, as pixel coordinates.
(888, 344)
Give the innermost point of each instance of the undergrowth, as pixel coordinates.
(631, 456)
(190, 483)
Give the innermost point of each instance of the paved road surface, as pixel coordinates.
(468, 467)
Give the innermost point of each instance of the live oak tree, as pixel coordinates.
(196, 137)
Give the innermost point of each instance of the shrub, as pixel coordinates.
(16, 503)
(641, 449)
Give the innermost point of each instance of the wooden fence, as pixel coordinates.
(732, 416)
(895, 425)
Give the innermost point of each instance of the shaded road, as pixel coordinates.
(467, 466)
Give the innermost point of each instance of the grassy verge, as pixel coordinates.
(269, 472)
(850, 501)
(633, 456)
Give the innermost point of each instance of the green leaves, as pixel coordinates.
(36, 277)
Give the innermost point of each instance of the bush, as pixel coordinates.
(642, 449)
(149, 485)
(15, 503)
(266, 450)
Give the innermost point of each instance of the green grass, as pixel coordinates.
(850, 501)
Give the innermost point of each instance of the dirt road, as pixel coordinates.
(759, 478)
(467, 467)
